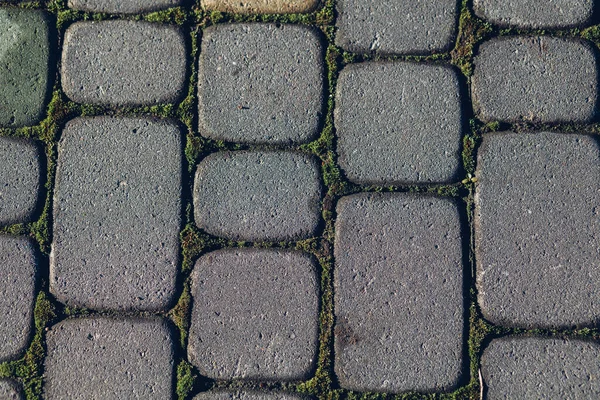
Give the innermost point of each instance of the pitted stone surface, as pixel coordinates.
(258, 195)
(541, 368)
(261, 6)
(123, 63)
(539, 79)
(398, 122)
(9, 390)
(109, 359)
(396, 26)
(17, 283)
(117, 214)
(24, 56)
(271, 307)
(247, 395)
(123, 6)
(537, 229)
(260, 83)
(19, 180)
(398, 293)
(535, 13)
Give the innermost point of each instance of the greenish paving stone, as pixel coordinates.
(122, 6)
(261, 6)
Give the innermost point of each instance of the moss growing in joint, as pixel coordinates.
(186, 378)
(180, 314)
(176, 15)
(471, 30)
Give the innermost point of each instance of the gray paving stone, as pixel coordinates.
(541, 368)
(540, 79)
(396, 26)
(19, 180)
(247, 395)
(537, 229)
(398, 293)
(271, 308)
(24, 57)
(398, 122)
(260, 83)
(10, 390)
(261, 6)
(535, 13)
(117, 214)
(123, 6)
(123, 63)
(258, 195)
(109, 359)
(17, 282)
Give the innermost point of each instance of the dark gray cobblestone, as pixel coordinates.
(122, 6)
(247, 395)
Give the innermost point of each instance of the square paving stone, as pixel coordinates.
(396, 26)
(10, 390)
(102, 358)
(258, 195)
(19, 180)
(261, 6)
(255, 315)
(541, 368)
(24, 59)
(536, 79)
(398, 293)
(248, 395)
(260, 83)
(117, 214)
(123, 6)
(398, 123)
(123, 63)
(537, 229)
(17, 283)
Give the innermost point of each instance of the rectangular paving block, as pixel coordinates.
(122, 6)
(260, 83)
(398, 287)
(537, 229)
(535, 79)
(517, 367)
(255, 315)
(117, 214)
(398, 122)
(104, 358)
(123, 63)
(261, 6)
(248, 395)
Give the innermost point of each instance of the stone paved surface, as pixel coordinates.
(261, 6)
(271, 309)
(122, 6)
(247, 395)
(9, 390)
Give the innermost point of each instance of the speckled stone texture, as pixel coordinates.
(19, 180)
(17, 283)
(541, 368)
(396, 26)
(535, 13)
(123, 63)
(537, 229)
(258, 195)
(109, 359)
(117, 214)
(536, 79)
(123, 6)
(260, 83)
(261, 6)
(255, 315)
(248, 395)
(24, 56)
(398, 123)
(10, 390)
(398, 293)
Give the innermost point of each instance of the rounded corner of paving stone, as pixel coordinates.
(272, 305)
(398, 283)
(261, 83)
(10, 390)
(117, 214)
(122, 6)
(262, 6)
(120, 358)
(258, 195)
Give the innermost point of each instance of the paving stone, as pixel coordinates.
(271, 306)
(247, 395)
(9, 390)
(261, 6)
(258, 195)
(24, 58)
(396, 26)
(17, 282)
(537, 229)
(535, 13)
(398, 293)
(541, 368)
(539, 79)
(123, 6)
(19, 180)
(123, 63)
(398, 122)
(260, 83)
(117, 214)
(109, 359)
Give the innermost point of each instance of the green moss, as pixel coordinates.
(176, 15)
(471, 30)
(592, 33)
(180, 314)
(193, 243)
(186, 379)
